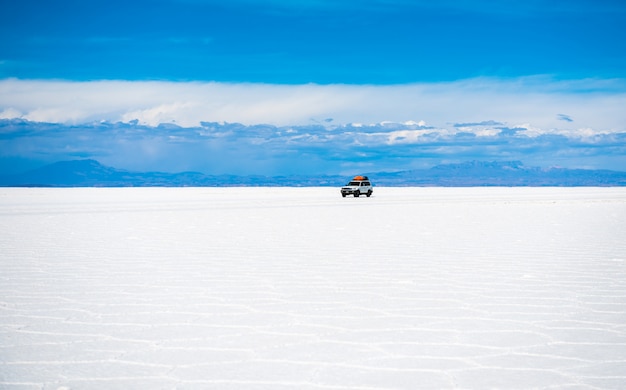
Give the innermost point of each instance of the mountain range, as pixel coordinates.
(91, 173)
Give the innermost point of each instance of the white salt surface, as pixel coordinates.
(298, 288)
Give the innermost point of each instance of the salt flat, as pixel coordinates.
(298, 288)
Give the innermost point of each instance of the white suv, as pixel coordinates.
(357, 186)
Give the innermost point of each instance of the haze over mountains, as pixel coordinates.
(91, 173)
(314, 149)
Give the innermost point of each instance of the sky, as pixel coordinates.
(314, 86)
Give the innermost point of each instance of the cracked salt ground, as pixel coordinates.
(281, 288)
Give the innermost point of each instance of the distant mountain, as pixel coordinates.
(507, 173)
(90, 173)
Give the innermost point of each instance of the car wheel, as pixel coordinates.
(343, 195)
(369, 193)
(356, 194)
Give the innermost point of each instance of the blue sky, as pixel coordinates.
(312, 41)
(158, 84)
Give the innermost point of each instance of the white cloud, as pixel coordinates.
(10, 113)
(536, 101)
(165, 113)
(266, 149)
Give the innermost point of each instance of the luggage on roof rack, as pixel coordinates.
(359, 177)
